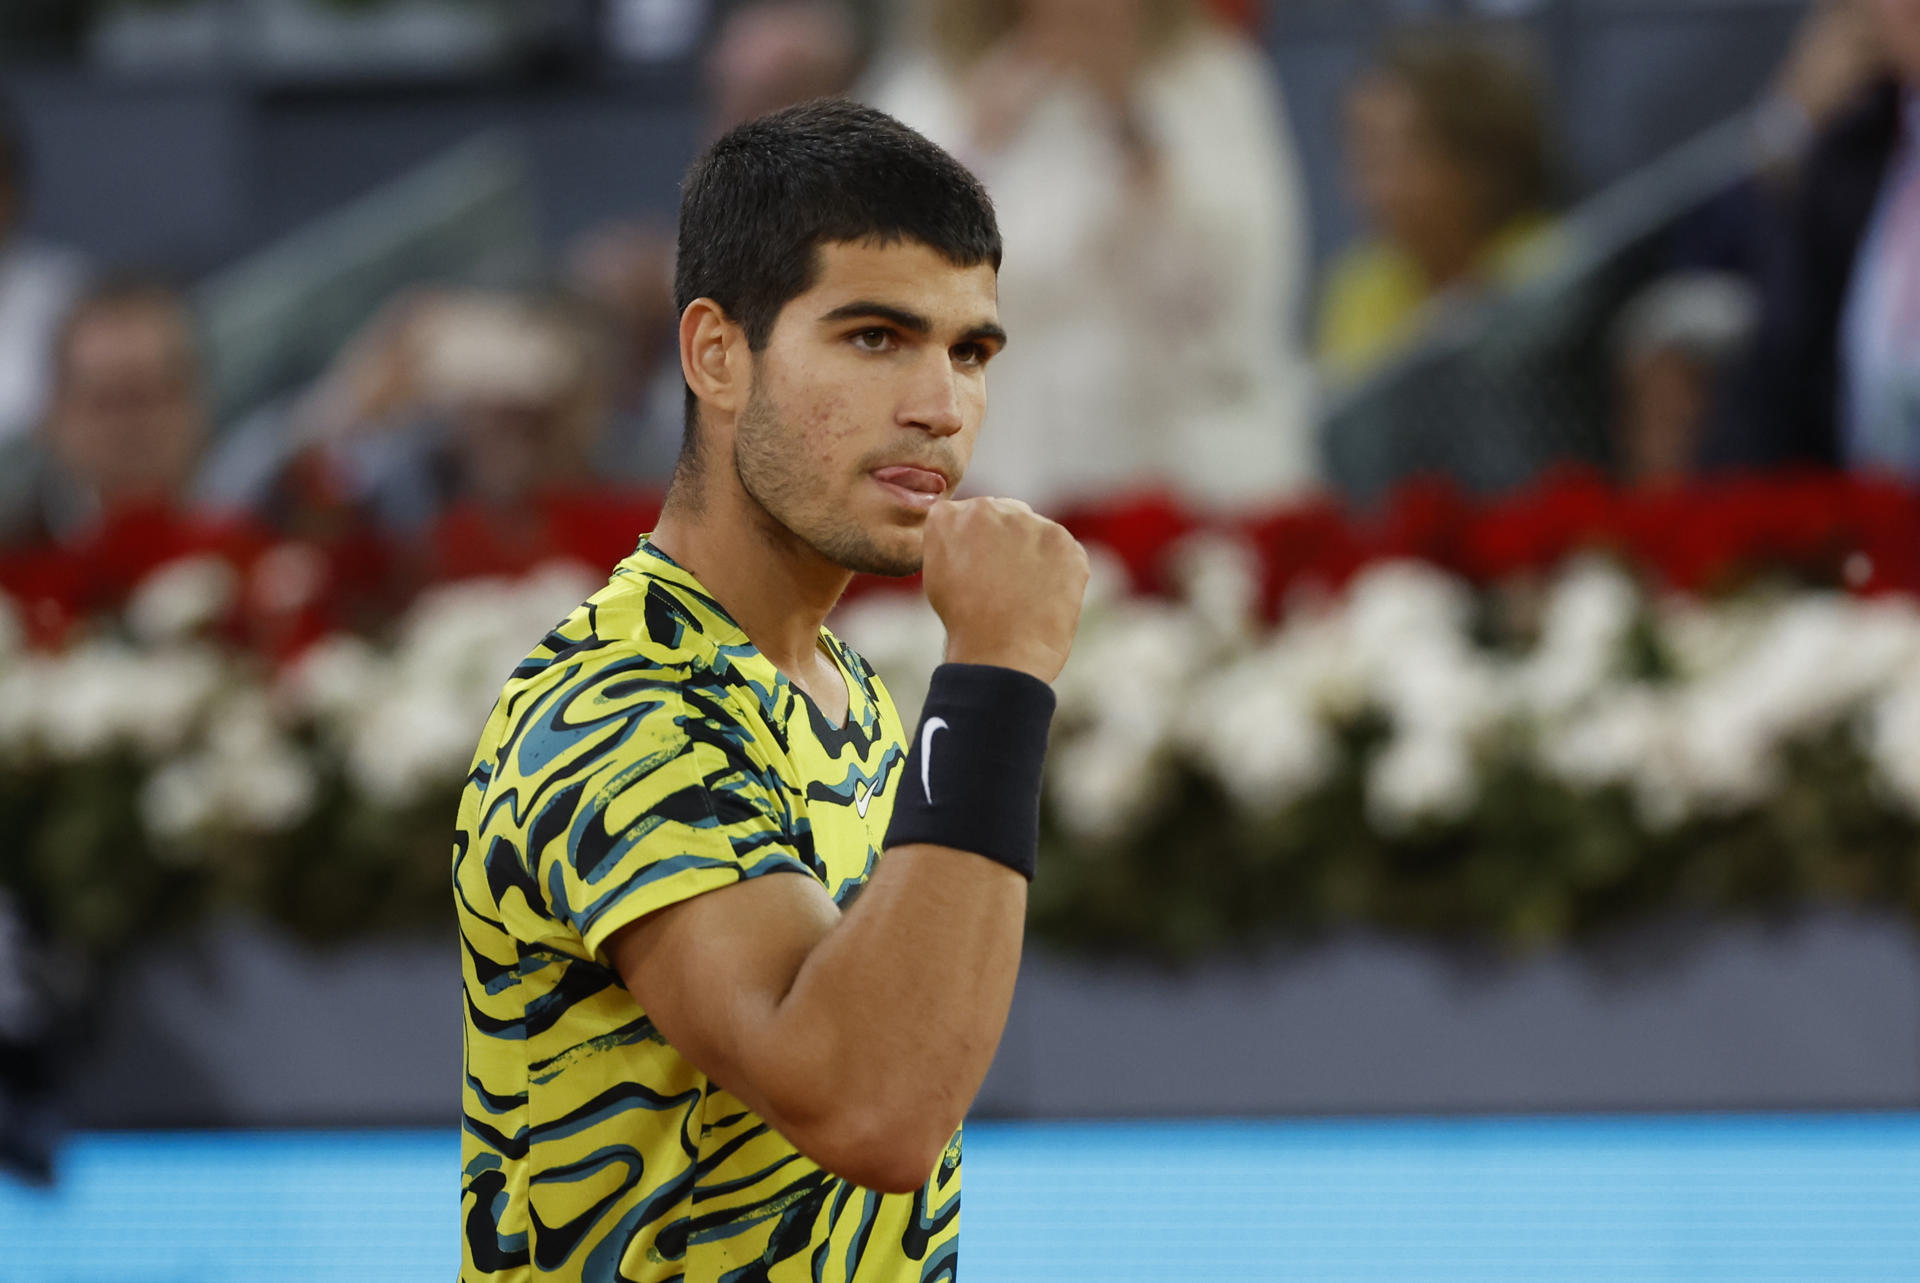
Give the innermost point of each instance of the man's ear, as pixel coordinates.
(713, 356)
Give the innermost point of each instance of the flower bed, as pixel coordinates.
(1514, 721)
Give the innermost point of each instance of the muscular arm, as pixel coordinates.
(862, 1038)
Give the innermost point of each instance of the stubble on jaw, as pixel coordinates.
(767, 460)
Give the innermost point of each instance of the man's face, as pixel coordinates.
(867, 399)
(128, 418)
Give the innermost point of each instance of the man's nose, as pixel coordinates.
(932, 402)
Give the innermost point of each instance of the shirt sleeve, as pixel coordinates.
(680, 804)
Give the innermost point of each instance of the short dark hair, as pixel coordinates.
(757, 207)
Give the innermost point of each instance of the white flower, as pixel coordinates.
(1724, 747)
(1583, 633)
(418, 740)
(1406, 631)
(1315, 652)
(1131, 670)
(1891, 733)
(1703, 639)
(181, 598)
(86, 704)
(467, 637)
(1108, 583)
(242, 726)
(1219, 580)
(1621, 738)
(102, 697)
(1420, 777)
(1442, 687)
(552, 591)
(409, 723)
(180, 799)
(247, 779)
(13, 634)
(1398, 604)
(171, 691)
(1102, 785)
(1607, 742)
(1815, 659)
(25, 690)
(268, 791)
(1255, 730)
(334, 679)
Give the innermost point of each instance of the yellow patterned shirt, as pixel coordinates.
(643, 754)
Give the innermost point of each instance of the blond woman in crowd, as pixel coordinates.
(1450, 163)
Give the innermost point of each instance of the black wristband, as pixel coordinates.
(973, 769)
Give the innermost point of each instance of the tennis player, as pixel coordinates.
(678, 1065)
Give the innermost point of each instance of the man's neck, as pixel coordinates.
(776, 588)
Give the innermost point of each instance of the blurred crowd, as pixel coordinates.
(1169, 332)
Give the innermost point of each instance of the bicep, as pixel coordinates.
(712, 971)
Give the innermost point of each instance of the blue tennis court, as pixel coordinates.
(1832, 1199)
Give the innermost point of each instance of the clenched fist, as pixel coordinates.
(1006, 582)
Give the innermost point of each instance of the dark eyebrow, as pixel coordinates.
(912, 322)
(987, 333)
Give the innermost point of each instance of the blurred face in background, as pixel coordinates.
(777, 53)
(1411, 191)
(524, 388)
(128, 418)
(1897, 22)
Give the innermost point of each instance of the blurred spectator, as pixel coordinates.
(465, 425)
(771, 54)
(1739, 239)
(127, 422)
(1835, 56)
(106, 492)
(626, 272)
(38, 284)
(1672, 343)
(1450, 162)
(767, 54)
(1833, 60)
(1147, 188)
(1835, 376)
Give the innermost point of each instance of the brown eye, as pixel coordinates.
(875, 340)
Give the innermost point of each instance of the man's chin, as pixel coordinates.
(889, 567)
(895, 569)
(896, 558)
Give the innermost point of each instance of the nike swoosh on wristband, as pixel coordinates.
(926, 754)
